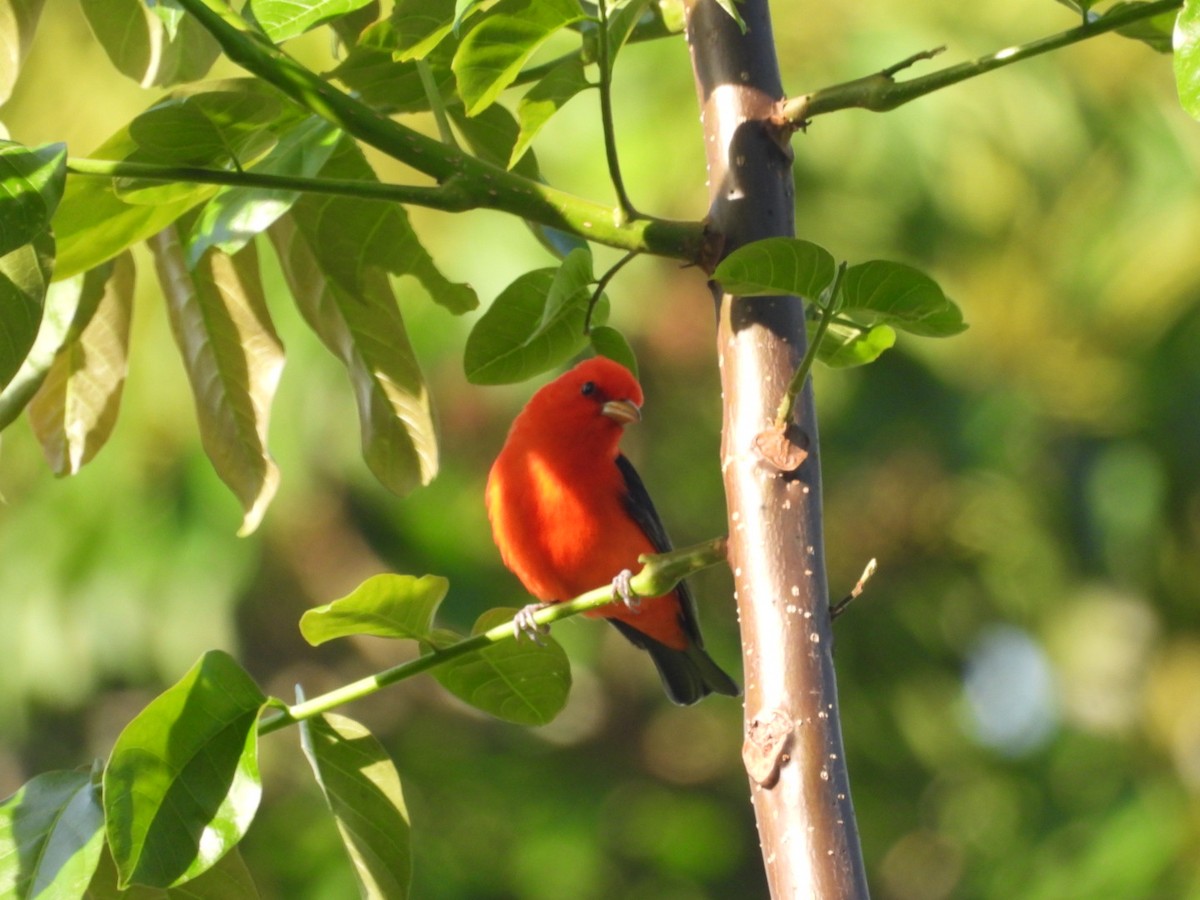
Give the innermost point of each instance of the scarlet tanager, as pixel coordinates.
(569, 513)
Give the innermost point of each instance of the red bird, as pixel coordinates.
(569, 513)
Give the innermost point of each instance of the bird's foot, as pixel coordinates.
(524, 625)
(623, 591)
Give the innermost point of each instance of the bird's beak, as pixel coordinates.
(622, 412)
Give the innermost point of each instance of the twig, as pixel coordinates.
(880, 92)
(828, 302)
(840, 607)
(606, 116)
(601, 285)
(660, 572)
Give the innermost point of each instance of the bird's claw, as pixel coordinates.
(623, 590)
(524, 624)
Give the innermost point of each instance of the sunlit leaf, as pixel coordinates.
(76, 406)
(392, 606)
(846, 346)
(362, 788)
(182, 784)
(235, 216)
(891, 293)
(24, 278)
(228, 879)
(519, 681)
(515, 340)
(64, 299)
(154, 44)
(31, 185)
(420, 26)
(285, 19)
(492, 53)
(51, 835)
(93, 223)
(220, 129)
(18, 21)
(393, 85)
(778, 265)
(611, 343)
(233, 360)
(543, 100)
(1187, 57)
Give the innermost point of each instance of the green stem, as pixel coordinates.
(601, 285)
(829, 304)
(435, 103)
(880, 92)
(659, 574)
(606, 116)
(445, 197)
(484, 185)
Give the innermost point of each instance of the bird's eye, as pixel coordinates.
(589, 387)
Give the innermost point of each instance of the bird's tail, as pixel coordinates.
(687, 675)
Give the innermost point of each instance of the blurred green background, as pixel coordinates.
(1021, 683)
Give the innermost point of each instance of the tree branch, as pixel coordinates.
(793, 749)
(446, 197)
(486, 186)
(880, 92)
(659, 574)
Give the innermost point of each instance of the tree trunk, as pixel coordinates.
(793, 743)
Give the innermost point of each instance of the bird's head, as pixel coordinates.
(596, 399)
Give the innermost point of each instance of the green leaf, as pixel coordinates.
(491, 136)
(18, 22)
(491, 55)
(1187, 57)
(75, 408)
(362, 788)
(573, 279)
(1155, 32)
(66, 302)
(891, 293)
(514, 340)
(844, 346)
(228, 879)
(286, 19)
(387, 84)
(233, 359)
(543, 100)
(609, 342)
(235, 216)
(154, 44)
(31, 186)
(182, 784)
(93, 223)
(778, 265)
(24, 278)
(391, 606)
(518, 681)
(51, 836)
(223, 129)
(421, 25)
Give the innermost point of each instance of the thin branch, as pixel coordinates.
(486, 185)
(606, 116)
(436, 106)
(828, 303)
(446, 197)
(659, 574)
(855, 592)
(881, 92)
(601, 285)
